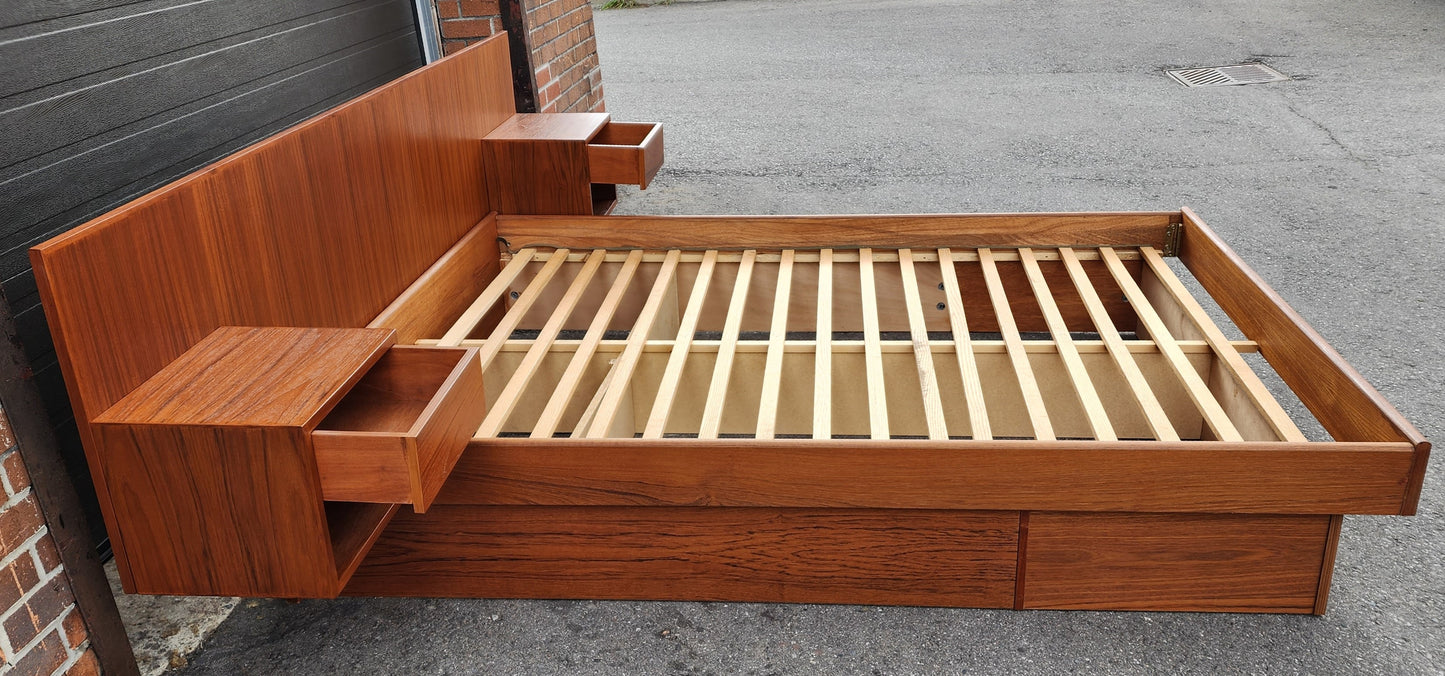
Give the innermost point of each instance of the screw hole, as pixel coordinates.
(941, 306)
(515, 295)
(940, 286)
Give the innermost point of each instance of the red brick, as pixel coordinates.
(87, 665)
(49, 555)
(17, 578)
(448, 9)
(45, 605)
(15, 473)
(44, 658)
(74, 626)
(466, 28)
(7, 438)
(450, 46)
(480, 8)
(18, 523)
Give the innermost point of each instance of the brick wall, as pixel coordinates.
(564, 57)
(463, 22)
(41, 631)
(565, 76)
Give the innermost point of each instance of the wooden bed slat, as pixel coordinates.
(1083, 385)
(839, 255)
(1214, 414)
(723, 368)
(620, 377)
(506, 402)
(877, 397)
(509, 321)
(662, 405)
(823, 356)
(479, 308)
(1069, 388)
(552, 413)
(927, 379)
(1255, 391)
(590, 413)
(967, 365)
(1143, 394)
(856, 346)
(1033, 399)
(777, 336)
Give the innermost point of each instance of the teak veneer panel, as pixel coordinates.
(257, 377)
(912, 557)
(809, 232)
(537, 163)
(1149, 476)
(323, 225)
(239, 517)
(211, 464)
(1346, 405)
(446, 288)
(1189, 562)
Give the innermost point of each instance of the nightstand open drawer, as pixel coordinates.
(625, 152)
(396, 435)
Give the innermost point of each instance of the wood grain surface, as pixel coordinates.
(774, 555)
(1064, 475)
(845, 312)
(580, 127)
(443, 292)
(236, 513)
(213, 471)
(274, 236)
(397, 434)
(537, 163)
(1187, 562)
(1348, 407)
(255, 376)
(355, 526)
(811, 232)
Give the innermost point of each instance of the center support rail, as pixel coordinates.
(866, 343)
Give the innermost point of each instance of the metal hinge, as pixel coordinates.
(1173, 233)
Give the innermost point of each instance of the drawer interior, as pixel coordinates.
(392, 396)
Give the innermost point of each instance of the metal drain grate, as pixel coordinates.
(1221, 76)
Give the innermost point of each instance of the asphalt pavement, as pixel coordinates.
(1331, 185)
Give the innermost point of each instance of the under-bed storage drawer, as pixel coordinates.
(625, 152)
(398, 432)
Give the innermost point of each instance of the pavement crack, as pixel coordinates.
(1334, 140)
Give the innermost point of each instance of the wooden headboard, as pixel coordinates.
(322, 225)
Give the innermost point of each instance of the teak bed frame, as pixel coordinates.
(411, 300)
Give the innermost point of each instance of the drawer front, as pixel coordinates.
(398, 433)
(868, 556)
(1189, 562)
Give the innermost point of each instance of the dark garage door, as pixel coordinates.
(101, 100)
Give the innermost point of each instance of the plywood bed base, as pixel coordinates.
(441, 373)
